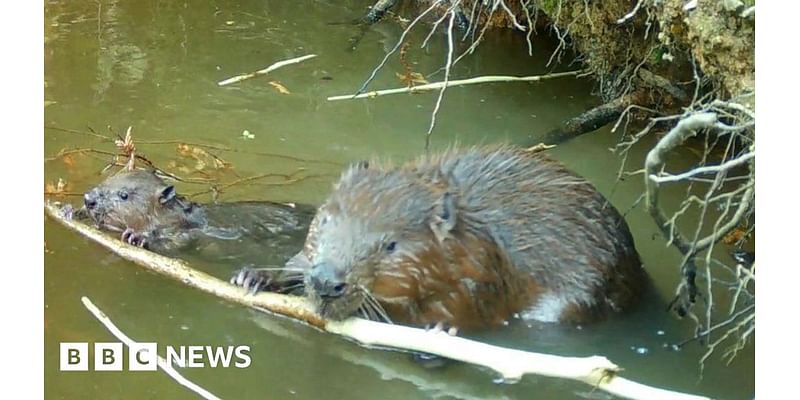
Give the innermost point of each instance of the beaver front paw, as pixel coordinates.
(68, 211)
(254, 280)
(442, 327)
(132, 237)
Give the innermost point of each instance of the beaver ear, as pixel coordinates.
(167, 194)
(444, 218)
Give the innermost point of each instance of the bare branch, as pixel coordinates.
(394, 49)
(686, 128)
(446, 78)
(460, 82)
(665, 178)
(632, 13)
(265, 71)
(162, 363)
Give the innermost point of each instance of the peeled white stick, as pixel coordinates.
(458, 82)
(273, 67)
(162, 363)
(511, 364)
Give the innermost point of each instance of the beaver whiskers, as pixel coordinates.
(371, 308)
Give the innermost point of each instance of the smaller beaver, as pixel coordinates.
(469, 239)
(150, 213)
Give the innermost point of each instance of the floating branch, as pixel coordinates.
(162, 363)
(511, 364)
(265, 71)
(460, 82)
(589, 121)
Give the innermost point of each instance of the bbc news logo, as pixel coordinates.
(74, 356)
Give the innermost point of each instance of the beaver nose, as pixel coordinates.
(327, 281)
(90, 199)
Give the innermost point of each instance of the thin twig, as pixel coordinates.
(704, 170)
(394, 49)
(632, 13)
(162, 363)
(460, 82)
(446, 79)
(273, 67)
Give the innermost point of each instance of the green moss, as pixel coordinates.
(550, 7)
(656, 56)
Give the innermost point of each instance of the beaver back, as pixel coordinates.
(471, 237)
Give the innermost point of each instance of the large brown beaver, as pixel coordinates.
(469, 238)
(150, 213)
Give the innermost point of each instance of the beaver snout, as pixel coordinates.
(90, 199)
(328, 281)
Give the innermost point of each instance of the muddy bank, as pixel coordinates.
(651, 45)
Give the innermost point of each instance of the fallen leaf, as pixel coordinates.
(412, 79)
(68, 160)
(201, 158)
(734, 236)
(280, 88)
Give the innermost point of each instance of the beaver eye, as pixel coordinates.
(123, 195)
(391, 246)
(325, 220)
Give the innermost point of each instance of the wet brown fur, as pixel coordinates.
(482, 234)
(145, 207)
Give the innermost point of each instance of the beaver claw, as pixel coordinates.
(131, 237)
(428, 360)
(68, 211)
(251, 279)
(442, 327)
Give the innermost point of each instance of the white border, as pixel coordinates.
(22, 168)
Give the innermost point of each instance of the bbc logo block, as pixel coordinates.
(74, 356)
(143, 357)
(110, 356)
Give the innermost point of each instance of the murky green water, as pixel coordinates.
(154, 65)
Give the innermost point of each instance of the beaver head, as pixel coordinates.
(139, 200)
(388, 242)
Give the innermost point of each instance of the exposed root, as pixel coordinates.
(730, 192)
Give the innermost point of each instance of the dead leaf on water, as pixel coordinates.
(68, 160)
(280, 88)
(734, 236)
(412, 79)
(201, 157)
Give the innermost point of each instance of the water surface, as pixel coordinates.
(153, 65)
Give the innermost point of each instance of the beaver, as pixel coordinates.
(150, 213)
(469, 238)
